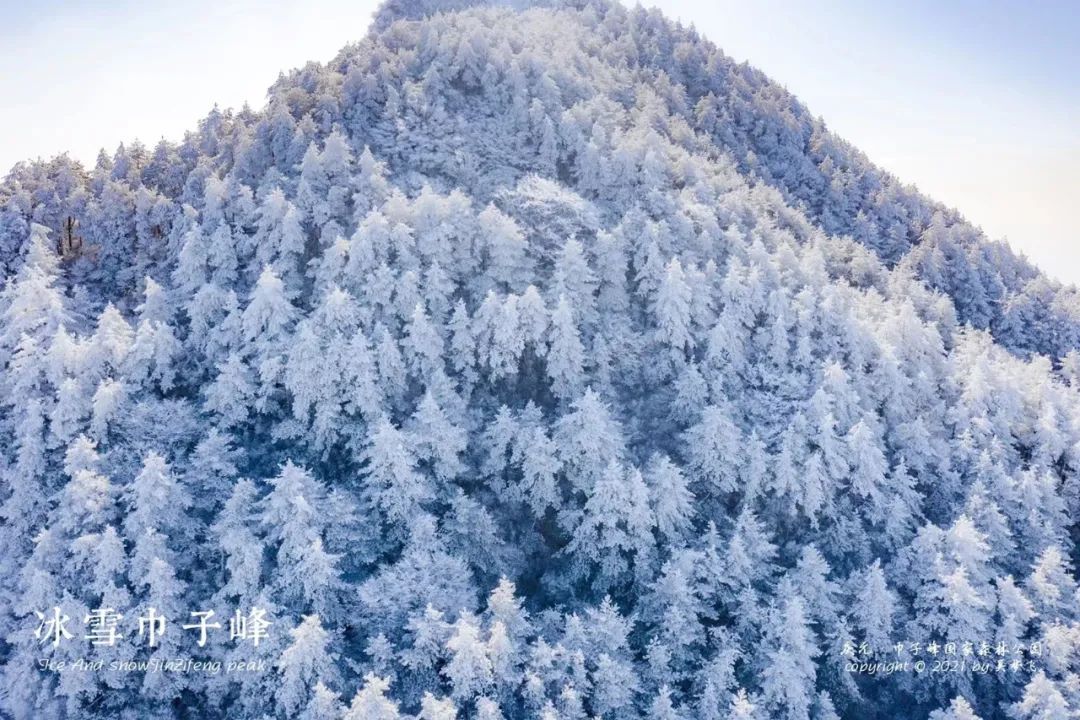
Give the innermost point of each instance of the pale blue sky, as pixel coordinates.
(977, 103)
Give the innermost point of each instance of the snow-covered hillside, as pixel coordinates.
(527, 362)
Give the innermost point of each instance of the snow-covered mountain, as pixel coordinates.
(527, 362)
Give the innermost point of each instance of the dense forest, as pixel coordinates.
(527, 362)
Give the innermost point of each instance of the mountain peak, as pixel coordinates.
(548, 365)
(393, 10)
